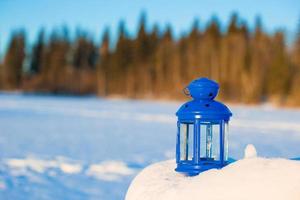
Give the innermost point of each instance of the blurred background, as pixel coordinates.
(88, 89)
(151, 49)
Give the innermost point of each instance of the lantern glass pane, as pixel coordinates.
(209, 141)
(226, 131)
(186, 141)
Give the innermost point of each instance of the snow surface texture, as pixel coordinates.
(247, 179)
(54, 147)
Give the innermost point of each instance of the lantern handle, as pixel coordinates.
(186, 92)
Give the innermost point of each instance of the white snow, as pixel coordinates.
(87, 131)
(252, 178)
(109, 170)
(40, 165)
(264, 124)
(250, 151)
(70, 168)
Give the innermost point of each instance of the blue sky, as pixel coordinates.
(94, 16)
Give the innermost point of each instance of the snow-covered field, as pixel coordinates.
(90, 148)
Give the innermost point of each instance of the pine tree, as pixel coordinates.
(254, 74)
(37, 54)
(13, 61)
(210, 50)
(57, 58)
(142, 42)
(278, 73)
(142, 51)
(154, 40)
(294, 95)
(104, 64)
(189, 51)
(84, 55)
(121, 60)
(235, 45)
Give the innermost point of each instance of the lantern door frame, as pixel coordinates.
(198, 161)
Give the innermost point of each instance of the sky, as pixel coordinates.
(95, 15)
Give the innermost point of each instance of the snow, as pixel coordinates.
(109, 170)
(51, 147)
(246, 179)
(40, 166)
(250, 151)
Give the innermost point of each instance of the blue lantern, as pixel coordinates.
(202, 136)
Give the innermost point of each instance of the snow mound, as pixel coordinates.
(247, 179)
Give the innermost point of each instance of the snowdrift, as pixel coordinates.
(252, 178)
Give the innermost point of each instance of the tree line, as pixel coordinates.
(251, 65)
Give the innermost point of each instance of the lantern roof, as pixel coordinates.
(203, 106)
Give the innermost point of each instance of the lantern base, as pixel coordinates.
(194, 169)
